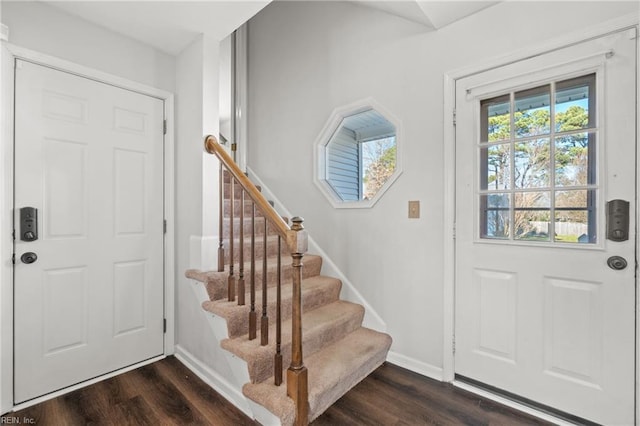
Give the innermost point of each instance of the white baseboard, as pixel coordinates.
(213, 379)
(263, 416)
(416, 366)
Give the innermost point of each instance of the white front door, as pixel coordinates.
(89, 160)
(542, 146)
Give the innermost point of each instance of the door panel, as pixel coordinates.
(89, 157)
(539, 314)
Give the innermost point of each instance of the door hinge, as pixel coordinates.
(164, 226)
(164, 325)
(454, 345)
(454, 117)
(13, 259)
(164, 127)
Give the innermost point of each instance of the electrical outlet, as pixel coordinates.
(414, 209)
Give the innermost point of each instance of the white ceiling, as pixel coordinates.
(171, 25)
(432, 14)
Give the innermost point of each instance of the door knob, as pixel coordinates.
(29, 257)
(617, 262)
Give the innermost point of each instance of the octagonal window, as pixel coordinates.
(358, 156)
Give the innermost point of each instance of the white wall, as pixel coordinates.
(45, 29)
(6, 224)
(225, 88)
(307, 58)
(196, 191)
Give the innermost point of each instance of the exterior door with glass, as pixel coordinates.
(542, 148)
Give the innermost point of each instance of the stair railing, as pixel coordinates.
(295, 239)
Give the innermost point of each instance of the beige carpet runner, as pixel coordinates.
(338, 351)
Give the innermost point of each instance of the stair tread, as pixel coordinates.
(316, 291)
(223, 307)
(216, 283)
(311, 322)
(332, 372)
(320, 327)
(205, 276)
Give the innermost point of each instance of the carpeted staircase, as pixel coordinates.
(338, 351)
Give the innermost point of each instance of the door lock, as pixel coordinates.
(29, 257)
(28, 224)
(617, 262)
(617, 220)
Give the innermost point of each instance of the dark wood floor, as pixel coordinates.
(167, 393)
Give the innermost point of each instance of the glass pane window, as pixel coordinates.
(532, 200)
(378, 164)
(495, 211)
(532, 112)
(537, 158)
(532, 225)
(496, 163)
(575, 216)
(532, 163)
(573, 101)
(573, 154)
(360, 156)
(496, 116)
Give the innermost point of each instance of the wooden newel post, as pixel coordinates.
(297, 375)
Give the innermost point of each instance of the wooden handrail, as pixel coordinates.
(296, 240)
(295, 243)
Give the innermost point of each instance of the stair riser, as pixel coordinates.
(259, 228)
(226, 176)
(366, 367)
(248, 208)
(308, 303)
(272, 250)
(218, 289)
(239, 324)
(236, 191)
